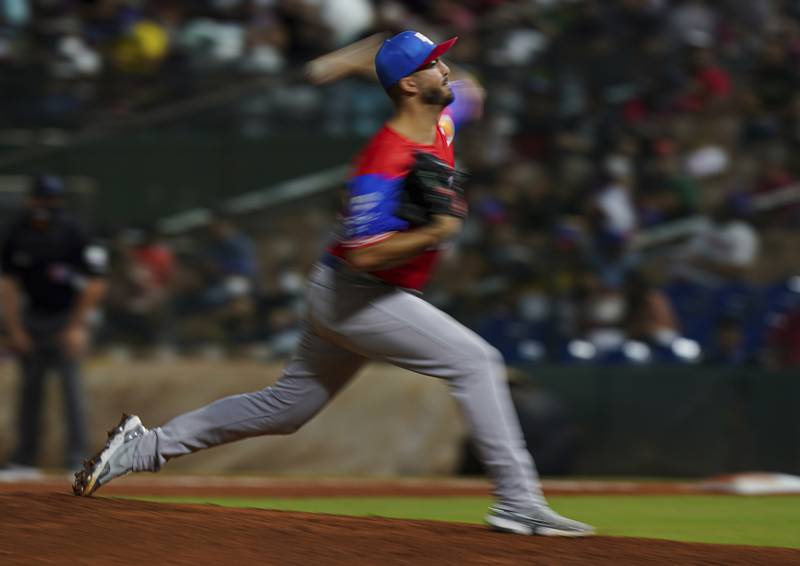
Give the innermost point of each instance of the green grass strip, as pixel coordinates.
(761, 521)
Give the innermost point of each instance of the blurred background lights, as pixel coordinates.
(582, 349)
(531, 350)
(636, 351)
(686, 349)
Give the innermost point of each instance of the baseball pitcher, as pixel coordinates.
(405, 201)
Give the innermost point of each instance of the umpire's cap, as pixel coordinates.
(405, 53)
(45, 186)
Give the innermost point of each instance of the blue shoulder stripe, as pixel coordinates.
(372, 202)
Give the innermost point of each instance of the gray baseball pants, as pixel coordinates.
(353, 319)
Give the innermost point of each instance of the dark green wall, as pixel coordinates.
(678, 421)
(149, 175)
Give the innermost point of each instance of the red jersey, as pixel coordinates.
(374, 193)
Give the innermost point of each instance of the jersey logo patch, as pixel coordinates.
(447, 127)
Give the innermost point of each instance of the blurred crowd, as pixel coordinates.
(217, 291)
(79, 60)
(633, 181)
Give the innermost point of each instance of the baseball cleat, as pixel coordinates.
(113, 461)
(543, 521)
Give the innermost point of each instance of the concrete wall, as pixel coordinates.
(386, 422)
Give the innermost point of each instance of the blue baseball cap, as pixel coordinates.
(405, 53)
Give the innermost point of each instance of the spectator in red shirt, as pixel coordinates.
(138, 309)
(157, 259)
(708, 83)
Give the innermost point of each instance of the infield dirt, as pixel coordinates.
(57, 528)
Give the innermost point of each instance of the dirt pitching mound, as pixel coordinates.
(57, 528)
(259, 486)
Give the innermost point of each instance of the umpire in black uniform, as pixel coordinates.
(52, 278)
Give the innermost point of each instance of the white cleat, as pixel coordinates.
(542, 521)
(114, 460)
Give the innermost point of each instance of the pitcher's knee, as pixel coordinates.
(291, 420)
(280, 415)
(481, 359)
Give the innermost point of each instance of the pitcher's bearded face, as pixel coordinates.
(434, 84)
(438, 96)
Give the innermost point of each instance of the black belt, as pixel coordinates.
(338, 264)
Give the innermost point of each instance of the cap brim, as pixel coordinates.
(439, 50)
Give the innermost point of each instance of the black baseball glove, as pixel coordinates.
(431, 187)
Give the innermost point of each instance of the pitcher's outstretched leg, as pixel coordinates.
(315, 374)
